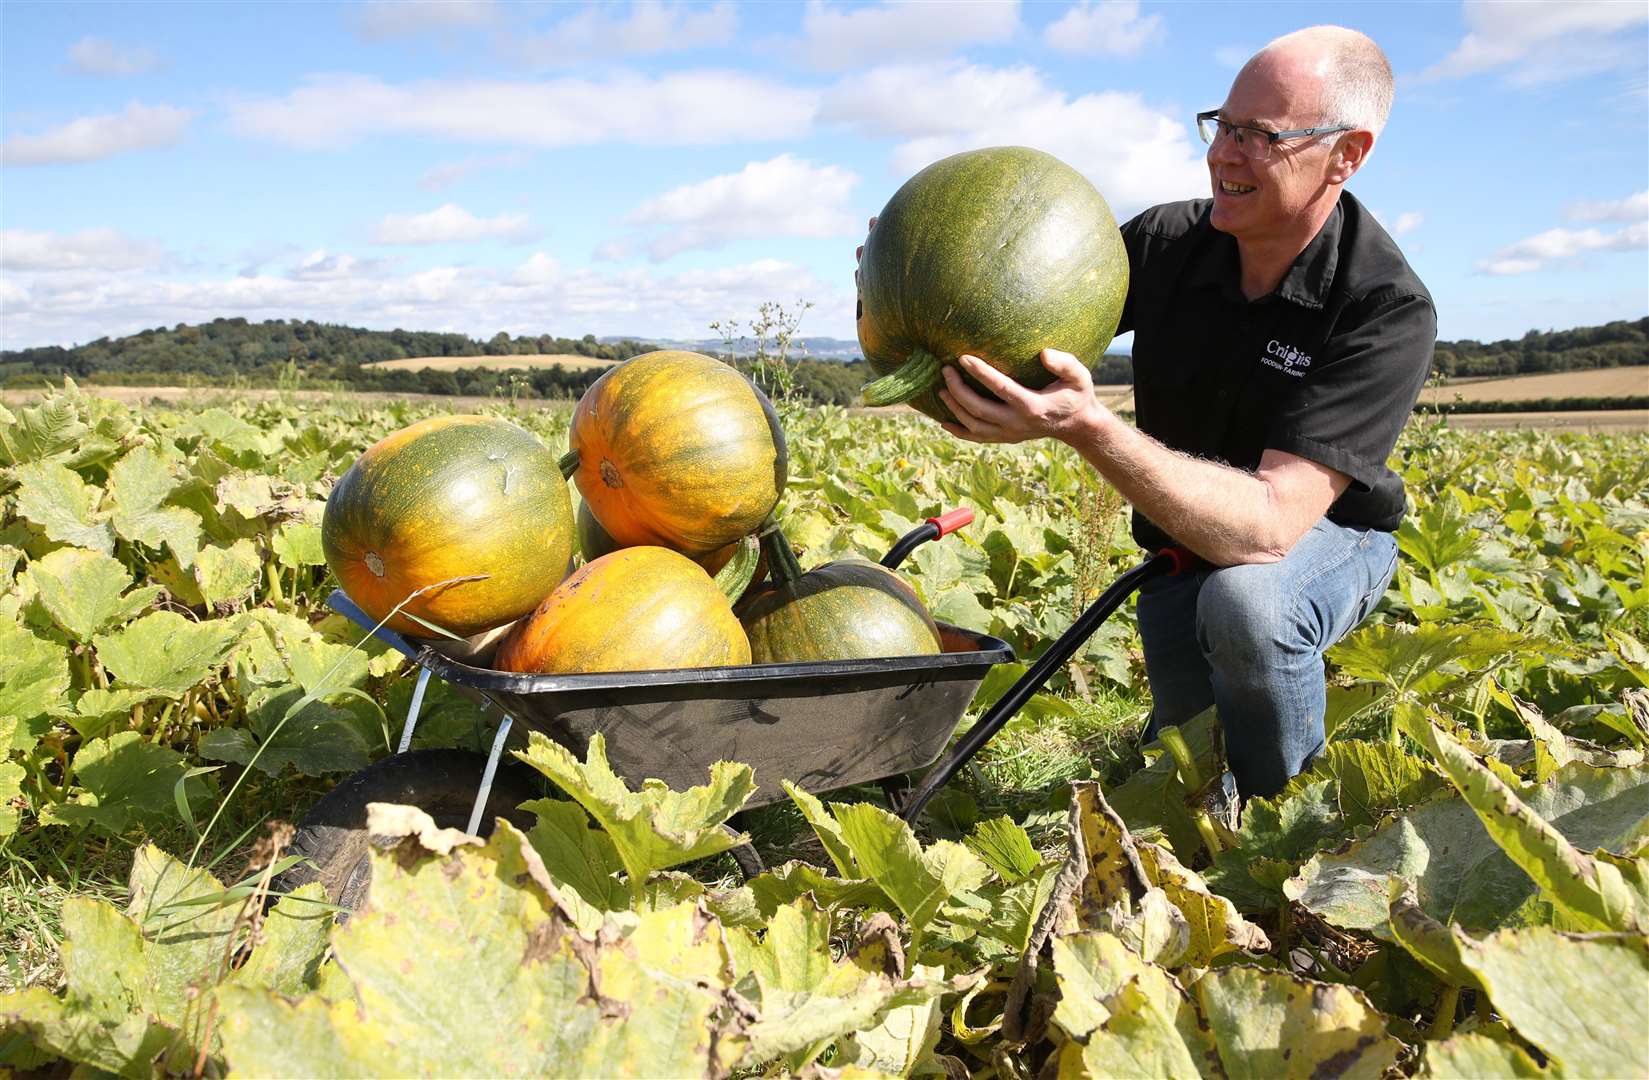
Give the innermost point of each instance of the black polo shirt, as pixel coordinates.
(1327, 367)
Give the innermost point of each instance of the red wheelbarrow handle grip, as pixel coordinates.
(951, 520)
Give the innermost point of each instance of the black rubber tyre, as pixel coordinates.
(443, 783)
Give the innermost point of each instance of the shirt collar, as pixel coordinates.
(1309, 279)
(1307, 282)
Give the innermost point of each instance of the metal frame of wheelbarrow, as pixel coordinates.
(910, 704)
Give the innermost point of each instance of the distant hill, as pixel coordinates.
(814, 348)
(292, 351)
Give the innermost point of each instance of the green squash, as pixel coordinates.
(1000, 253)
(846, 610)
(474, 501)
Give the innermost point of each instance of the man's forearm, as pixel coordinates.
(1226, 515)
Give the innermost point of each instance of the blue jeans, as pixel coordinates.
(1250, 640)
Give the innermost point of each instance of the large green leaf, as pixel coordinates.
(654, 828)
(1478, 1057)
(64, 506)
(227, 573)
(576, 855)
(84, 591)
(165, 652)
(1594, 892)
(1584, 1000)
(919, 881)
(48, 431)
(126, 781)
(139, 485)
(316, 740)
(11, 779)
(1270, 1023)
(461, 966)
(34, 679)
(1459, 874)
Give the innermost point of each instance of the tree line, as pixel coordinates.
(293, 351)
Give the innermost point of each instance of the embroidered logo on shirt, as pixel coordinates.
(1285, 358)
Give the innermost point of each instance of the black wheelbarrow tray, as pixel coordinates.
(821, 725)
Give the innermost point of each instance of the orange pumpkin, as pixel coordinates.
(636, 609)
(678, 450)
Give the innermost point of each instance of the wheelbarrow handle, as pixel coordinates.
(340, 602)
(931, 529)
(1167, 562)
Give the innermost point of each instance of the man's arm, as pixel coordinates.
(1225, 515)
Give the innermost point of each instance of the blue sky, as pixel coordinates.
(648, 168)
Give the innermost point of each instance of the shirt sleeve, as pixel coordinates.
(1133, 240)
(1348, 412)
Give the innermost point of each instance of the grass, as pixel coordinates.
(43, 866)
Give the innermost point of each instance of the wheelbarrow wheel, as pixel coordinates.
(333, 838)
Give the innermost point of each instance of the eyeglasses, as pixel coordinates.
(1254, 143)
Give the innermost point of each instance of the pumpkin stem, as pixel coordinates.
(781, 558)
(569, 464)
(735, 577)
(918, 374)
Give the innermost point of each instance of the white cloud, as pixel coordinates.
(691, 108)
(1538, 41)
(836, 39)
(1233, 56)
(448, 173)
(1558, 246)
(380, 20)
(538, 296)
(91, 138)
(785, 196)
(101, 57)
(649, 27)
(447, 224)
(1407, 222)
(1631, 208)
(1135, 155)
(89, 249)
(1104, 28)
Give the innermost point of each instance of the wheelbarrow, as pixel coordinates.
(824, 726)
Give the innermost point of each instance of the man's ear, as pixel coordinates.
(1349, 154)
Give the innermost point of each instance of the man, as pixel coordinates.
(1280, 342)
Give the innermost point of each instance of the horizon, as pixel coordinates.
(647, 169)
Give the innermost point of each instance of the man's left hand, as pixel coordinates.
(1061, 410)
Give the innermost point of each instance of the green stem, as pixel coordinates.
(1184, 760)
(569, 464)
(781, 557)
(917, 375)
(735, 577)
(1442, 1022)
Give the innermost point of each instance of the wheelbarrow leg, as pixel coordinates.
(749, 859)
(488, 773)
(412, 711)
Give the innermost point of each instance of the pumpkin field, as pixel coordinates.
(1458, 887)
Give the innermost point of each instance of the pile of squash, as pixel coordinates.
(461, 525)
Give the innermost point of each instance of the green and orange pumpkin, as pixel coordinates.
(636, 609)
(845, 610)
(677, 450)
(594, 541)
(999, 252)
(465, 518)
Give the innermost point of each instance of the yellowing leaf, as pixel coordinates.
(1268, 1024)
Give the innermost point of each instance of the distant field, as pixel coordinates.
(570, 361)
(1600, 382)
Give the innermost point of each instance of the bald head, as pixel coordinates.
(1356, 84)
